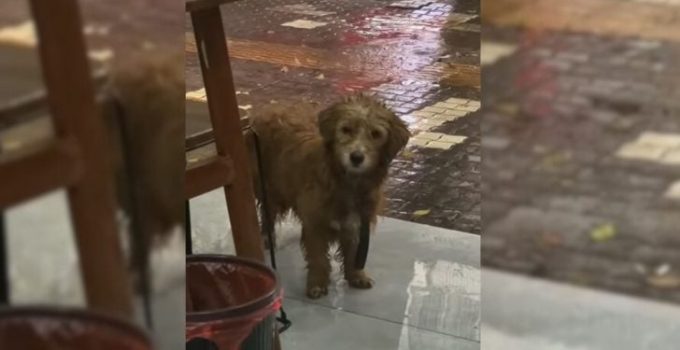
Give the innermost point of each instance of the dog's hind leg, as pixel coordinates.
(268, 213)
(316, 245)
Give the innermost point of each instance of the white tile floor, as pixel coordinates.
(663, 148)
(427, 293)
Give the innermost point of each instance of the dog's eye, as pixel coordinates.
(346, 130)
(376, 134)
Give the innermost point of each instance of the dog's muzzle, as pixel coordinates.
(357, 158)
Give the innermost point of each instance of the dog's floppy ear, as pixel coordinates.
(398, 137)
(328, 120)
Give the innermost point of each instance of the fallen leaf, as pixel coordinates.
(508, 108)
(580, 280)
(603, 233)
(321, 76)
(664, 282)
(245, 107)
(421, 213)
(555, 160)
(284, 69)
(407, 154)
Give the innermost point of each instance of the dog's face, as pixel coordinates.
(362, 133)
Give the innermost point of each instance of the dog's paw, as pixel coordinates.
(316, 292)
(360, 281)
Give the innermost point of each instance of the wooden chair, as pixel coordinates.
(76, 158)
(229, 167)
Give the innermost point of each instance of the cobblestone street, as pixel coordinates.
(581, 143)
(421, 57)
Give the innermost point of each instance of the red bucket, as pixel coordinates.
(56, 329)
(227, 297)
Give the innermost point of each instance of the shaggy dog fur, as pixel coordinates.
(328, 167)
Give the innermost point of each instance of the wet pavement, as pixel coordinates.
(415, 55)
(426, 299)
(581, 143)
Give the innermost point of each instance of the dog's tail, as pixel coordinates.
(264, 206)
(145, 104)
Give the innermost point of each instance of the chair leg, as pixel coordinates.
(218, 79)
(187, 228)
(4, 263)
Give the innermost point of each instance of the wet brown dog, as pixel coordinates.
(328, 167)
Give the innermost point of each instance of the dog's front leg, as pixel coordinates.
(349, 242)
(316, 243)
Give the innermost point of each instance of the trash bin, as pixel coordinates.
(231, 303)
(28, 328)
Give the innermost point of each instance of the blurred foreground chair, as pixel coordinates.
(221, 154)
(76, 158)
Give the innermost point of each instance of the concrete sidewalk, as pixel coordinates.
(427, 293)
(522, 313)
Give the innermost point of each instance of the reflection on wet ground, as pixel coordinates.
(415, 55)
(582, 142)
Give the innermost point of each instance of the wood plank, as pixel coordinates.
(207, 175)
(38, 169)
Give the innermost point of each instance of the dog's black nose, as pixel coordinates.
(356, 157)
